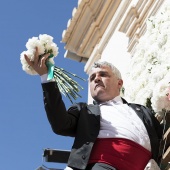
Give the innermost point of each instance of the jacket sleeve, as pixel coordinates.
(155, 132)
(62, 121)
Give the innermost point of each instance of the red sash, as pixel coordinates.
(122, 154)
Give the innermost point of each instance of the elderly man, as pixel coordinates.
(110, 134)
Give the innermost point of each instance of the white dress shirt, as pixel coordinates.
(118, 120)
(44, 79)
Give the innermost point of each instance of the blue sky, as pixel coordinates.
(24, 128)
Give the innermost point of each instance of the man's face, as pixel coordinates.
(104, 85)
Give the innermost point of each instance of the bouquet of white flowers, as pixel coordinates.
(67, 86)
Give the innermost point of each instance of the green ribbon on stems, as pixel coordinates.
(50, 67)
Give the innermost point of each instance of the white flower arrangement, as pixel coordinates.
(148, 78)
(161, 95)
(67, 86)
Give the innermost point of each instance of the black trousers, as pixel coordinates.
(99, 166)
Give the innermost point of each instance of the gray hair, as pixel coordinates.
(107, 64)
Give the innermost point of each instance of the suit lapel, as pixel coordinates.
(138, 110)
(93, 109)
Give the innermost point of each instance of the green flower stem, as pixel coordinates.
(62, 89)
(68, 79)
(70, 73)
(67, 82)
(67, 86)
(59, 85)
(74, 85)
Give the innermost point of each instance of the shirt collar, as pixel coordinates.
(117, 100)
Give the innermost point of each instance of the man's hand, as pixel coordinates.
(38, 64)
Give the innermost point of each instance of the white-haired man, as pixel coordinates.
(110, 134)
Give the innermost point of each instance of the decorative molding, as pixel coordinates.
(75, 57)
(88, 25)
(134, 22)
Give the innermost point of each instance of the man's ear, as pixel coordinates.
(120, 83)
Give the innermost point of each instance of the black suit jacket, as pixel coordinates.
(82, 121)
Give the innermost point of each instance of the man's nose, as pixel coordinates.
(97, 79)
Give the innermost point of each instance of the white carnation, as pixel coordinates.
(33, 43)
(45, 39)
(28, 69)
(45, 44)
(160, 99)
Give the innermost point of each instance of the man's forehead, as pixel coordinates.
(99, 69)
